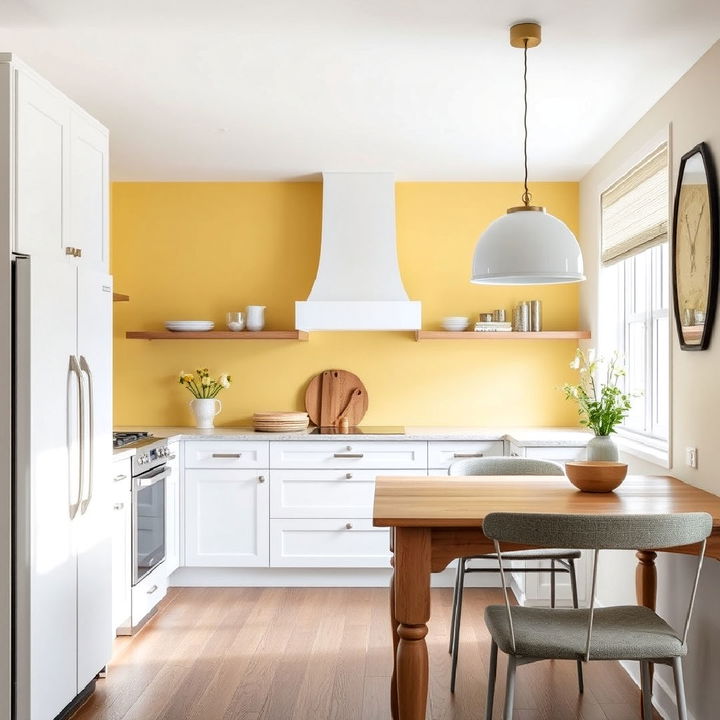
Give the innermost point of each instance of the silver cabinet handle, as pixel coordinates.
(73, 252)
(227, 455)
(90, 431)
(118, 478)
(261, 479)
(152, 589)
(348, 476)
(514, 454)
(349, 455)
(348, 526)
(75, 369)
(118, 506)
(468, 455)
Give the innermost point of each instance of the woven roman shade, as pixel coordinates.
(634, 210)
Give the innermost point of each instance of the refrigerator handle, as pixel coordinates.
(90, 427)
(75, 369)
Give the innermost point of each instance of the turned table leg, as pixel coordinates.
(646, 591)
(411, 590)
(395, 641)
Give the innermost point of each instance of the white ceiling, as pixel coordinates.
(281, 89)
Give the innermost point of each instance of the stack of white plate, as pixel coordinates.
(455, 323)
(280, 421)
(189, 325)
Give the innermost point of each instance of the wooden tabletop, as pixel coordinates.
(464, 501)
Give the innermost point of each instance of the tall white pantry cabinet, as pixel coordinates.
(55, 191)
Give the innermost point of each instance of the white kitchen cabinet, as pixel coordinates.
(328, 543)
(555, 453)
(441, 454)
(147, 594)
(367, 454)
(226, 454)
(226, 517)
(89, 187)
(61, 175)
(172, 509)
(121, 545)
(42, 138)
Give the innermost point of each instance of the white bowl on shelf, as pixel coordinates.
(455, 323)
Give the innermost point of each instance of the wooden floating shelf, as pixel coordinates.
(300, 335)
(119, 297)
(473, 335)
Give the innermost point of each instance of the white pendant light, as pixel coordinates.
(527, 246)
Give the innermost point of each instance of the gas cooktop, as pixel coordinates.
(121, 439)
(360, 430)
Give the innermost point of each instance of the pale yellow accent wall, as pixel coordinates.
(196, 250)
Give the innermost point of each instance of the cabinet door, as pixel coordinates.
(369, 454)
(121, 545)
(88, 195)
(42, 177)
(172, 510)
(94, 549)
(226, 518)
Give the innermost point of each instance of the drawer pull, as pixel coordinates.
(152, 589)
(468, 455)
(261, 479)
(514, 454)
(227, 455)
(348, 526)
(348, 476)
(118, 506)
(349, 455)
(118, 478)
(171, 457)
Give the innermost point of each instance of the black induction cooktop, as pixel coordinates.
(360, 430)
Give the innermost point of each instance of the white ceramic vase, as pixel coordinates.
(255, 317)
(603, 448)
(205, 410)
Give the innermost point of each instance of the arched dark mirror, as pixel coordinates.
(695, 248)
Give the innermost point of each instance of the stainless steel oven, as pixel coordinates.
(149, 472)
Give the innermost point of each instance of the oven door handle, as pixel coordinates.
(145, 481)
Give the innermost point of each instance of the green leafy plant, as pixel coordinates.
(201, 385)
(601, 405)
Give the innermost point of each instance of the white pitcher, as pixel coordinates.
(255, 317)
(205, 412)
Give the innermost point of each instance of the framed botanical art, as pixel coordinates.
(695, 248)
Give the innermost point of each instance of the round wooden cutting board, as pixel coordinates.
(333, 394)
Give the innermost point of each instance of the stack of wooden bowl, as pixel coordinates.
(280, 421)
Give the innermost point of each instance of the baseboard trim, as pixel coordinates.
(304, 577)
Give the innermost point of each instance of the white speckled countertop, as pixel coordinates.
(525, 437)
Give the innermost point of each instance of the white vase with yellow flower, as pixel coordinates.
(205, 404)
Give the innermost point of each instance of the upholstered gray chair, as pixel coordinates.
(609, 633)
(560, 560)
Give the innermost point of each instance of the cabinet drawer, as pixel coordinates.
(443, 454)
(225, 454)
(121, 471)
(328, 543)
(557, 453)
(148, 593)
(349, 454)
(326, 493)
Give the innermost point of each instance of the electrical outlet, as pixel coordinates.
(691, 457)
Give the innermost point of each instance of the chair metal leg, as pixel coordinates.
(646, 687)
(679, 688)
(492, 674)
(510, 688)
(458, 571)
(552, 583)
(456, 629)
(573, 587)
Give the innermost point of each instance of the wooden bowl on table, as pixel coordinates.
(595, 475)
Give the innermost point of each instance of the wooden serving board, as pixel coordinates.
(332, 394)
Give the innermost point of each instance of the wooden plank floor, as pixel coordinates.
(321, 654)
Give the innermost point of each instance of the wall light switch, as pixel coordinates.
(691, 457)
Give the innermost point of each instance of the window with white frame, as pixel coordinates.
(635, 290)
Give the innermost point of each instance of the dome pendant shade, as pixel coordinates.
(527, 247)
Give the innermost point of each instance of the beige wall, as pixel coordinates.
(691, 111)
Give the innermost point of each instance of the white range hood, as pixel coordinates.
(358, 284)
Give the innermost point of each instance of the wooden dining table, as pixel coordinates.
(434, 520)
